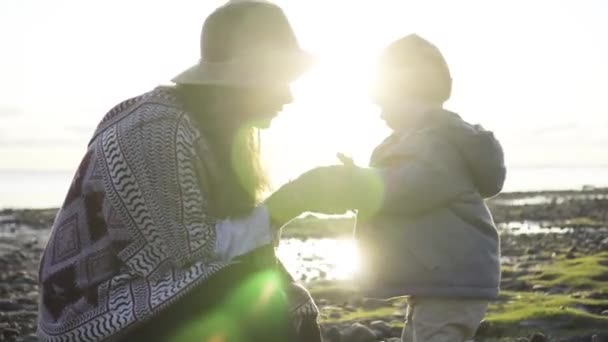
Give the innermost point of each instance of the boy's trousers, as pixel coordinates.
(442, 320)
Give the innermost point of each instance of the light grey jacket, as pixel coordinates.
(434, 236)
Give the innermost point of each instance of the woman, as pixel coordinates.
(163, 235)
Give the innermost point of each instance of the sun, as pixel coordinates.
(332, 113)
(345, 257)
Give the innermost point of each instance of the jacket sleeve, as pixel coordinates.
(425, 174)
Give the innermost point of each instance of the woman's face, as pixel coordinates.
(258, 106)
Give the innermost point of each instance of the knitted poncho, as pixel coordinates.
(133, 234)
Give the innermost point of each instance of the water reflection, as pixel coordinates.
(307, 260)
(530, 227)
(312, 259)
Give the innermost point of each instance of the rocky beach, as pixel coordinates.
(554, 273)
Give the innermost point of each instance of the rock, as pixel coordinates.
(396, 331)
(604, 313)
(9, 334)
(24, 278)
(517, 285)
(540, 288)
(538, 337)
(335, 314)
(360, 333)
(29, 338)
(554, 255)
(598, 295)
(489, 330)
(532, 250)
(382, 327)
(398, 314)
(570, 256)
(599, 338)
(557, 290)
(27, 301)
(334, 335)
(373, 303)
(9, 305)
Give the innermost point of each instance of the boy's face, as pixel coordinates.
(400, 104)
(403, 113)
(404, 97)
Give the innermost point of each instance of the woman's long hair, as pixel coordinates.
(241, 181)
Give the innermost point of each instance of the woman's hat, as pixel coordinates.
(247, 43)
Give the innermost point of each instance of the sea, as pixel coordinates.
(47, 189)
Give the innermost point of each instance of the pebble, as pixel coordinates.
(399, 314)
(396, 331)
(382, 327)
(29, 338)
(599, 338)
(532, 250)
(8, 305)
(598, 295)
(539, 287)
(360, 333)
(570, 256)
(10, 333)
(373, 303)
(333, 335)
(538, 337)
(350, 308)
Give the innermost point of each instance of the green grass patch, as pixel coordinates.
(585, 273)
(356, 316)
(334, 291)
(314, 227)
(522, 312)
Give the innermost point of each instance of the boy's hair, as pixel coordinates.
(415, 55)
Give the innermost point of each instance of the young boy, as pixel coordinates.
(432, 237)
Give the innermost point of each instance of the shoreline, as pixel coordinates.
(554, 284)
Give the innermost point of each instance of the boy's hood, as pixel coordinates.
(479, 148)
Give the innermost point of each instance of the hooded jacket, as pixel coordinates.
(433, 235)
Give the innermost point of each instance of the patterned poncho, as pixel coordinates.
(133, 235)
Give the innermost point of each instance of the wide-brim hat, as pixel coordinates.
(247, 43)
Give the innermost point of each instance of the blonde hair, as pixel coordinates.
(241, 181)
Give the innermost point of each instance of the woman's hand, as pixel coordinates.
(328, 189)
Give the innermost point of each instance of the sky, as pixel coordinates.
(534, 72)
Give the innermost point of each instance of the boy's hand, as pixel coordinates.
(345, 160)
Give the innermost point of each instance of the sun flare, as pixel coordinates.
(345, 257)
(332, 113)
